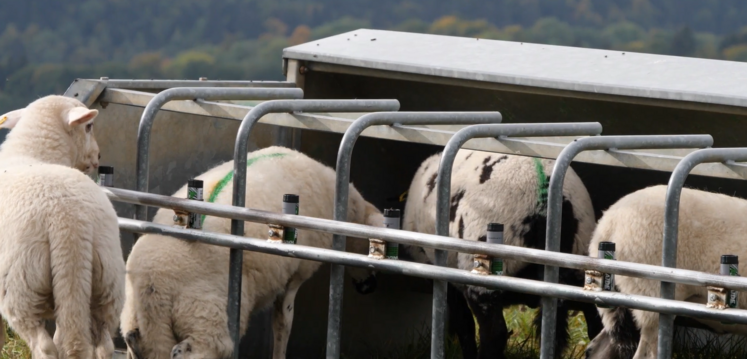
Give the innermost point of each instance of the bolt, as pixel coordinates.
(203, 79)
(303, 70)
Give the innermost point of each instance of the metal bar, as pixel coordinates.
(555, 201)
(443, 179)
(166, 84)
(671, 223)
(441, 273)
(659, 160)
(529, 255)
(342, 184)
(188, 93)
(239, 179)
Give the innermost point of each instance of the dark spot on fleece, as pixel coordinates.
(487, 168)
(461, 227)
(455, 199)
(483, 238)
(534, 229)
(150, 290)
(431, 185)
(625, 333)
(469, 155)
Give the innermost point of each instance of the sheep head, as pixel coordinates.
(53, 129)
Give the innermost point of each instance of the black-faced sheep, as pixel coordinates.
(60, 255)
(710, 225)
(511, 190)
(177, 290)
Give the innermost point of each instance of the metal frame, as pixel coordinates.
(443, 193)
(671, 223)
(555, 202)
(188, 93)
(437, 272)
(659, 160)
(111, 91)
(530, 255)
(342, 186)
(239, 180)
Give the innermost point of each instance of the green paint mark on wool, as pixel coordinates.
(542, 185)
(218, 188)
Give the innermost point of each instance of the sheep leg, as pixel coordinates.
(101, 334)
(282, 317)
(648, 344)
(461, 322)
(105, 306)
(26, 302)
(488, 310)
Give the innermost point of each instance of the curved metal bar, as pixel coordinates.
(241, 148)
(341, 209)
(671, 223)
(555, 202)
(188, 93)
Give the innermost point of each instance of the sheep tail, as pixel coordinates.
(71, 259)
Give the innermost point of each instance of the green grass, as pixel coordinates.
(15, 347)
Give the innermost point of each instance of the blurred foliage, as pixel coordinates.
(45, 44)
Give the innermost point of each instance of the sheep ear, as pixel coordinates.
(80, 115)
(10, 119)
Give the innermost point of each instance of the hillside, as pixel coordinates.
(44, 44)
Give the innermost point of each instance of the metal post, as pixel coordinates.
(239, 180)
(555, 202)
(443, 179)
(342, 183)
(188, 93)
(671, 223)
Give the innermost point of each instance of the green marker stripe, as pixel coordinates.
(218, 188)
(542, 184)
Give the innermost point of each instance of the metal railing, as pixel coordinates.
(550, 257)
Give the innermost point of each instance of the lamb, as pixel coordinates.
(177, 290)
(511, 190)
(710, 225)
(60, 256)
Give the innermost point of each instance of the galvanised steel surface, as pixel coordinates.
(239, 178)
(555, 201)
(188, 93)
(342, 182)
(616, 76)
(439, 273)
(671, 223)
(538, 256)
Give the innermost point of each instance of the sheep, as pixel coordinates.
(710, 225)
(177, 290)
(60, 256)
(512, 190)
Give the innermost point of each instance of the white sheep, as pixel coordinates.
(177, 290)
(710, 225)
(60, 255)
(511, 190)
